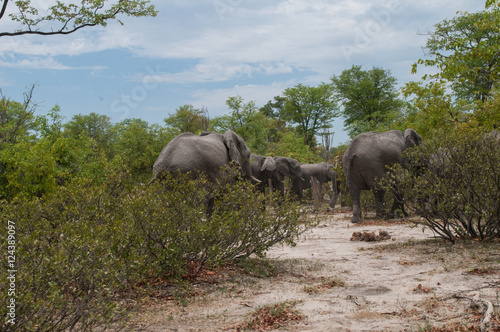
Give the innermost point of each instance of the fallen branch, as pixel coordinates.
(483, 305)
(487, 306)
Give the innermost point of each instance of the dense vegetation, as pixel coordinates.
(87, 231)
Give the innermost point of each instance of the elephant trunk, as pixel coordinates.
(246, 170)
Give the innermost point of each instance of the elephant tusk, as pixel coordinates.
(302, 179)
(254, 179)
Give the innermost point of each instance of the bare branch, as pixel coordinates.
(4, 8)
(46, 33)
(77, 17)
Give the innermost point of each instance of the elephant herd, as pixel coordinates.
(364, 162)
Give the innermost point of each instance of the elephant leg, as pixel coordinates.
(210, 207)
(342, 195)
(379, 203)
(335, 194)
(262, 189)
(297, 189)
(398, 207)
(333, 200)
(279, 186)
(356, 208)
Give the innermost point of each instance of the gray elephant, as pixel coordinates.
(264, 169)
(288, 167)
(365, 162)
(207, 153)
(323, 173)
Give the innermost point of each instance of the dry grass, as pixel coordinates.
(271, 317)
(324, 286)
(473, 256)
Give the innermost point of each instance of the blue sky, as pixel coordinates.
(201, 52)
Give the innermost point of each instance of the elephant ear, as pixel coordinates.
(232, 142)
(269, 164)
(283, 167)
(412, 138)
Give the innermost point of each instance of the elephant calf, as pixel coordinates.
(273, 170)
(323, 173)
(365, 162)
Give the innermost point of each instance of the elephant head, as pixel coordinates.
(288, 167)
(411, 138)
(263, 168)
(239, 153)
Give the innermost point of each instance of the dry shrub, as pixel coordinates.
(453, 183)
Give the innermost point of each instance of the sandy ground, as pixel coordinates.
(398, 284)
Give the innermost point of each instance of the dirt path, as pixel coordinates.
(344, 285)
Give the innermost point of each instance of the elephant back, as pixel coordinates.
(191, 153)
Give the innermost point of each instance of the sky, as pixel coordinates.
(201, 52)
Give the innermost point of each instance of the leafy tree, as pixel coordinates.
(51, 125)
(36, 168)
(488, 116)
(311, 108)
(187, 119)
(16, 119)
(292, 145)
(94, 126)
(248, 122)
(492, 3)
(432, 108)
(465, 49)
(369, 99)
(242, 114)
(139, 144)
(274, 110)
(72, 17)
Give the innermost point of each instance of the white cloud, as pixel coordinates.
(216, 72)
(215, 99)
(273, 44)
(240, 35)
(42, 63)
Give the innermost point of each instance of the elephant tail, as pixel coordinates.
(347, 169)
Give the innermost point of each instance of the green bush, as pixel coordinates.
(81, 247)
(454, 184)
(179, 239)
(72, 257)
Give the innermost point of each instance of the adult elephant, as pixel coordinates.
(365, 162)
(323, 173)
(207, 153)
